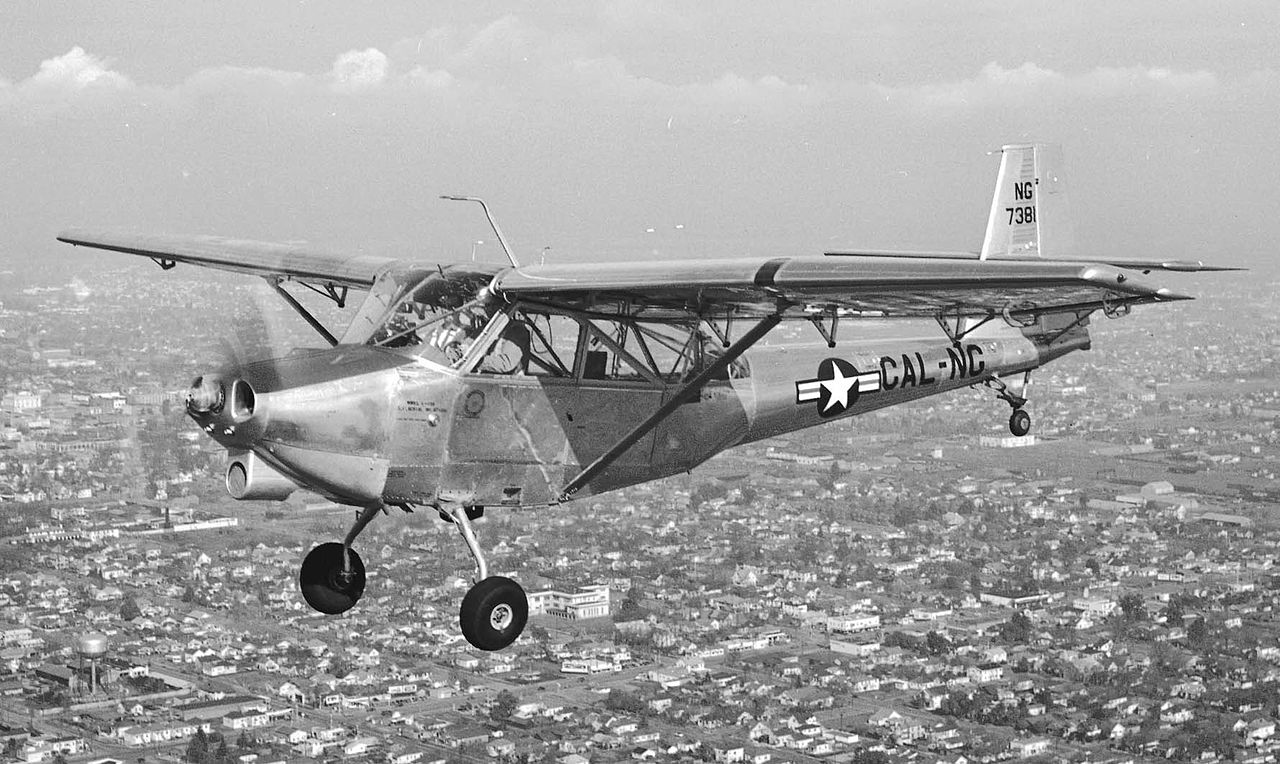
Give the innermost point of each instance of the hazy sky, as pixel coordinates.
(761, 128)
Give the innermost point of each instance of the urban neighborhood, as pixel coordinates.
(913, 585)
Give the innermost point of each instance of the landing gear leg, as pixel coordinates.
(1019, 420)
(332, 576)
(495, 610)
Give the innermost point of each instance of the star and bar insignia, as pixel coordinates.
(836, 387)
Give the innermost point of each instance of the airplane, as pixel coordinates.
(467, 386)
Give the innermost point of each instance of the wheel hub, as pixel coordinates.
(501, 617)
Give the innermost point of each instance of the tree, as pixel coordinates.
(198, 748)
(222, 755)
(937, 644)
(1174, 613)
(630, 609)
(1132, 606)
(129, 609)
(620, 700)
(503, 706)
(1017, 628)
(1198, 632)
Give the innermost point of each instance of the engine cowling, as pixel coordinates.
(250, 478)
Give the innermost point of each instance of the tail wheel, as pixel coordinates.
(494, 613)
(327, 584)
(1019, 422)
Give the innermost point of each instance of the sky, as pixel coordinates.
(635, 128)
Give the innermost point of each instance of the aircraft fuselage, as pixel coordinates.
(365, 425)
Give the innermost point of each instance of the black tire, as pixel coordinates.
(1019, 422)
(494, 613)
(323, 584)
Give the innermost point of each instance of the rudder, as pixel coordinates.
(1029, 215)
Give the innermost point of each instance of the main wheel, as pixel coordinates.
(1019, 422)
(494, 613)
(325, 586)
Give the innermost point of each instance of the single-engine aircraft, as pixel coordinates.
(467, 386)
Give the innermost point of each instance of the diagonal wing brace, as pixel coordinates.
(682, 396)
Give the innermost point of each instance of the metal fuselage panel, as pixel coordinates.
(896, 362)
(516, 440)
(322, 418)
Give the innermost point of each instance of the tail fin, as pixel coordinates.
(1029, 214)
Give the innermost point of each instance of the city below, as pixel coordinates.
(914, 585)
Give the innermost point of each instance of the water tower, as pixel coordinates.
(92, 647)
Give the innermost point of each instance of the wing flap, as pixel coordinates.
(288, 261)
(888, 286)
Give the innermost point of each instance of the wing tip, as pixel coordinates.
(1168, 295)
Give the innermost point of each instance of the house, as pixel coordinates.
(985, 672)
(885, 717)
(1259, 730)
(760, 733)
(360, 745)
(1027, 747)
(136, 737)
(501, 747)
(465, 735)
(808, 697)
(932, 698)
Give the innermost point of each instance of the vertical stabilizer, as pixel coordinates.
(1029, 215)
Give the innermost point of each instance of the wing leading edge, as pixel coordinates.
(286, 261)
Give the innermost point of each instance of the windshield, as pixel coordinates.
(434, 313)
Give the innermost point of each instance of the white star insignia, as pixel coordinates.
(837, 388)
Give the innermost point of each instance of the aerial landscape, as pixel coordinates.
(719, 457)
(913, 584)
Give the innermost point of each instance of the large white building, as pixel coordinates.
(22, 400)
(587, 602)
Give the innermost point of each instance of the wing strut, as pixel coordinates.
(682, 396)
(306, 314)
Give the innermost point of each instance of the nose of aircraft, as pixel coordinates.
(206, 396)
(321, 418)
(225, 406)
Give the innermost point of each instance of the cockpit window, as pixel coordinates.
(433, 313)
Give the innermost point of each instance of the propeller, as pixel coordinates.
(240, 359)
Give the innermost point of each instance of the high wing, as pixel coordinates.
(284, 261)
(892, 286)
(1146, 266)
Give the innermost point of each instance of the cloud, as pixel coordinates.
(765, 90)
(430, 79)
(359, 70)
(62, 82)
(220, 78)
(1115, 80)
(75, 70)
(582, 128)
(996, 82)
